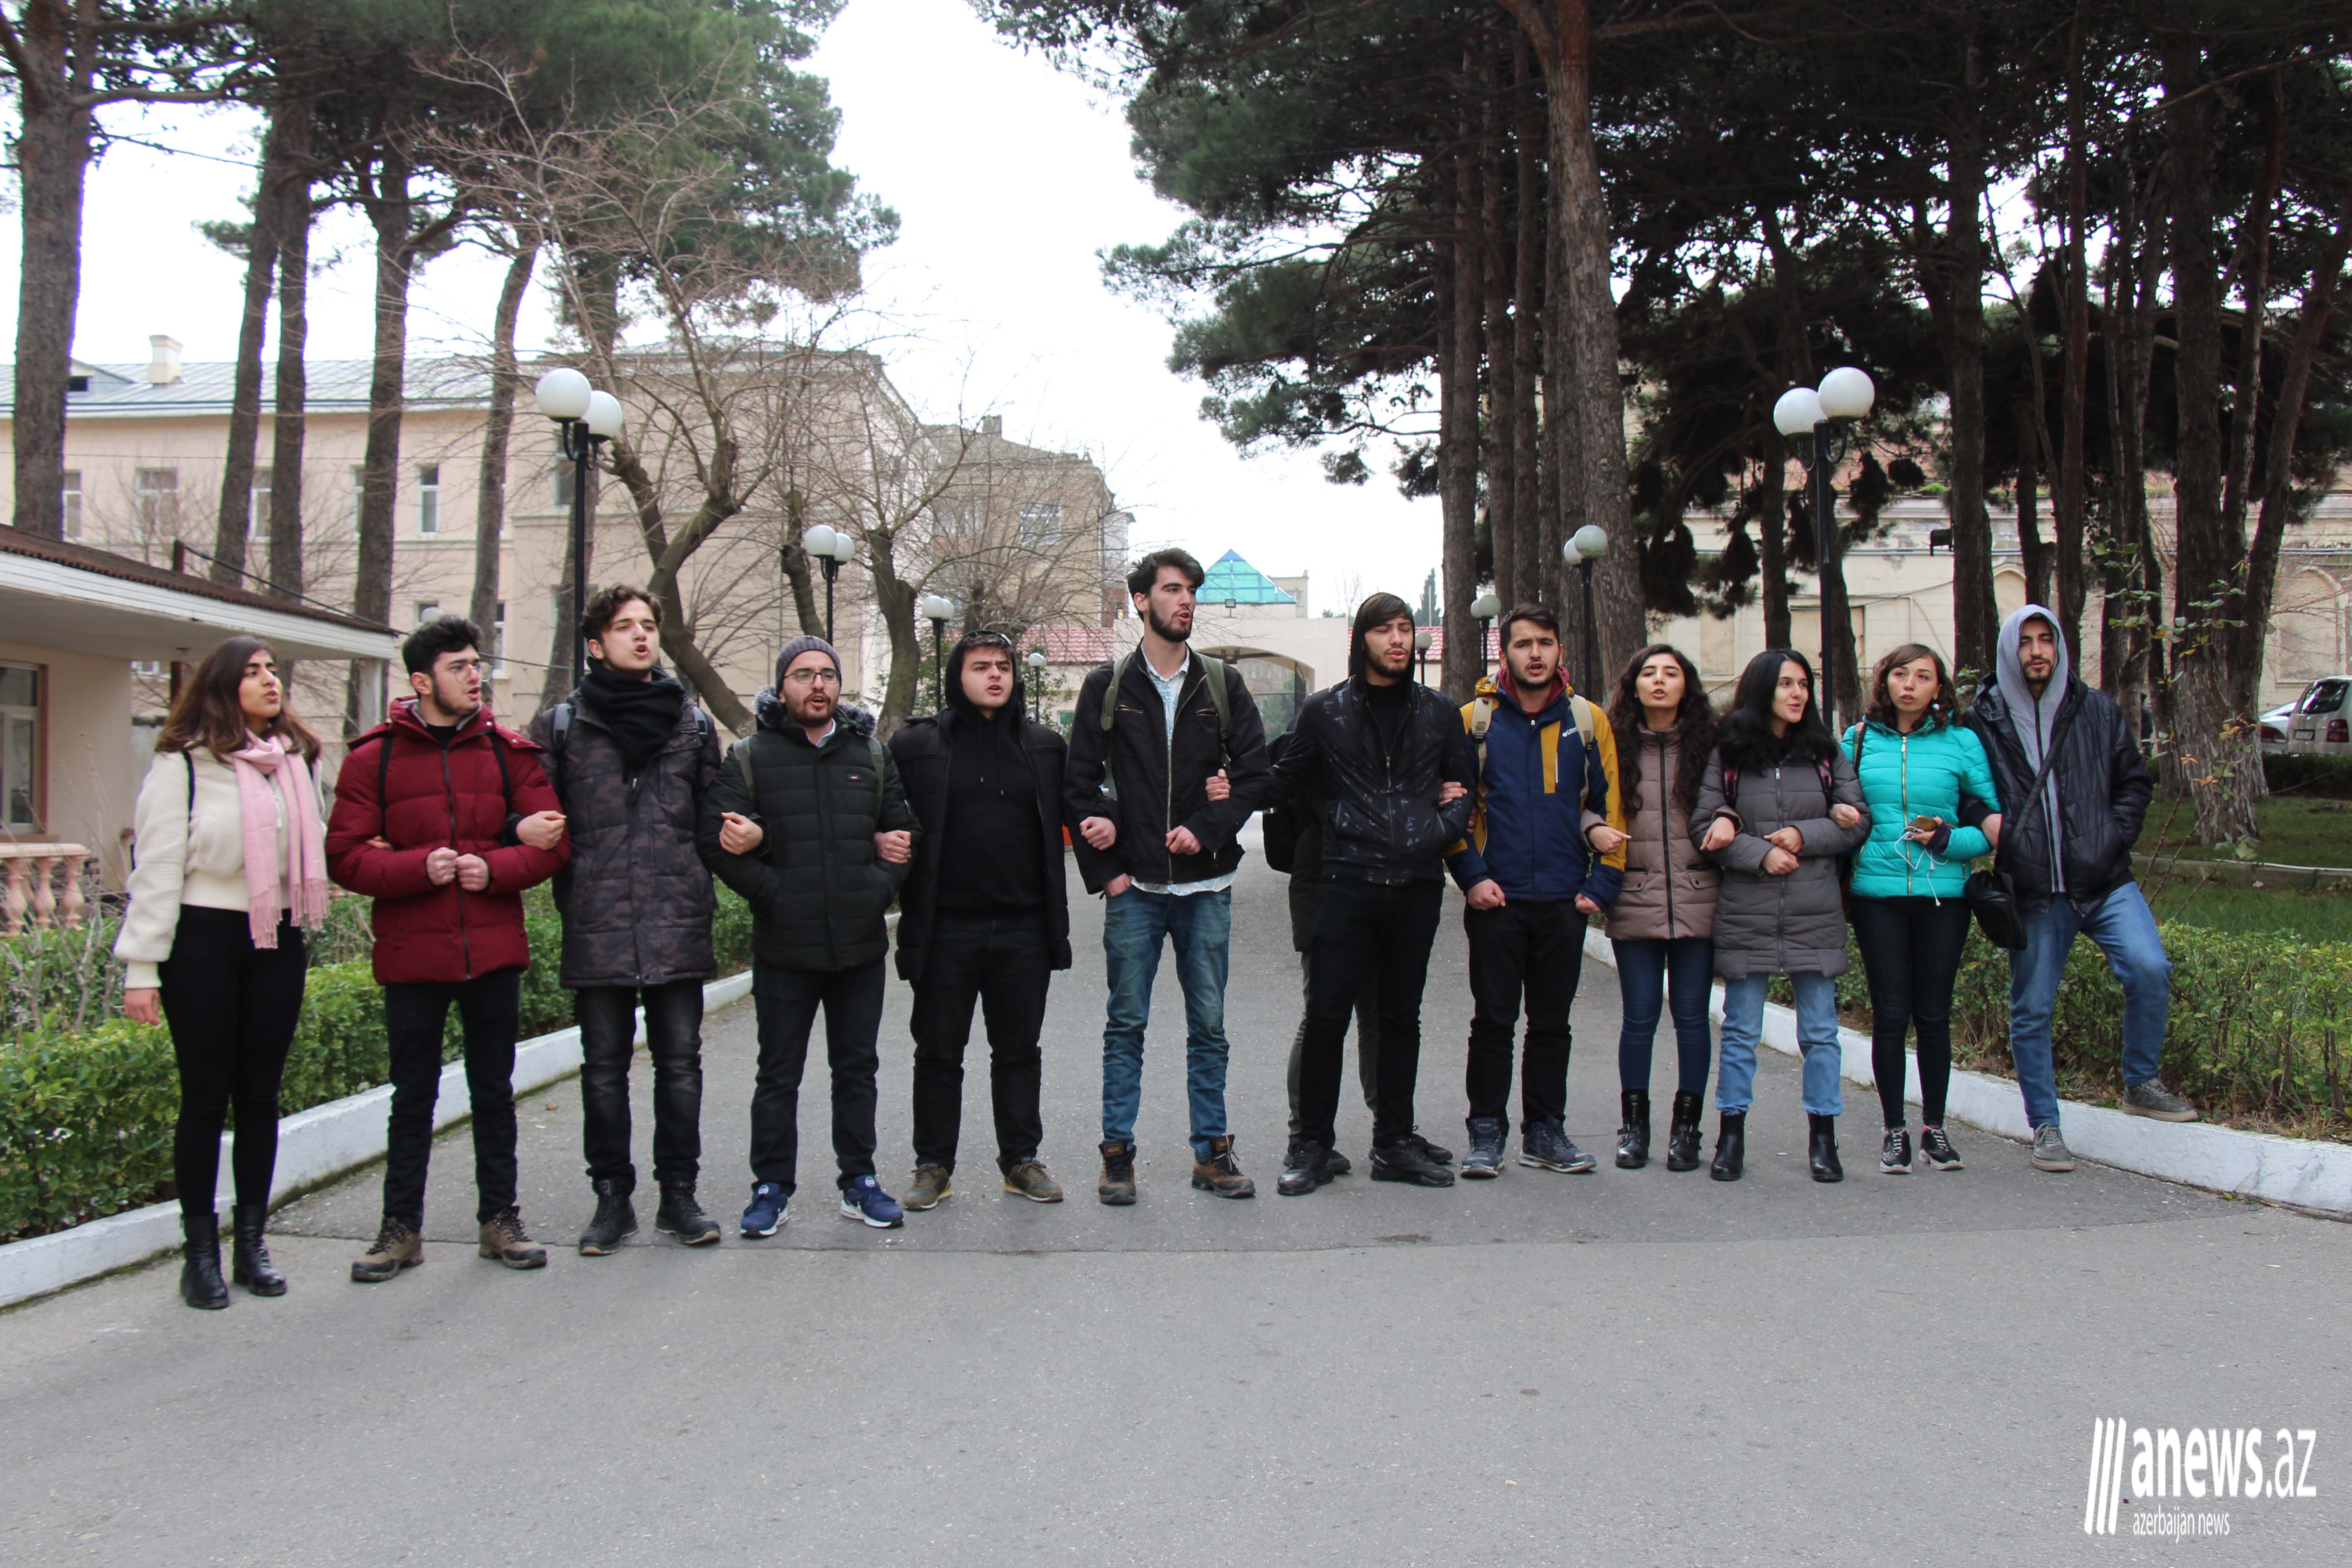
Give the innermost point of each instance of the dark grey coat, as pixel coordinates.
(637, 898)
(1780, 925)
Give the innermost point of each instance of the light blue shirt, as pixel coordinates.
(1172, 691)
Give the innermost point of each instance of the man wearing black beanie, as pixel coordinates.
(1394, 766)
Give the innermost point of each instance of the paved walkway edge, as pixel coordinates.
(314, 1146)
(2305, 1173)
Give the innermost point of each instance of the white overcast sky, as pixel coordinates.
(1008, 178)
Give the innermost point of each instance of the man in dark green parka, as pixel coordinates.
(808, 822)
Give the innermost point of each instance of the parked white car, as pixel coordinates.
(2322, 719)
(2274, 725)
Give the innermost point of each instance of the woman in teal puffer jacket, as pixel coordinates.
(1915, 762)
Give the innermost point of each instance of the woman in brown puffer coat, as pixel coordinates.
(1662, 923)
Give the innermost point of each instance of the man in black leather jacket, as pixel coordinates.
(1394, 766)
(2068, 847)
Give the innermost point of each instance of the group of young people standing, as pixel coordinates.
(1711, 847)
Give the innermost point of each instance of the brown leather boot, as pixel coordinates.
(1116, 1186)
(396, 1247)
(1220, 1173)
(504, 1239)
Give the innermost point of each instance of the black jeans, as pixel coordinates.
(608, 1027)
(1535, 948)
(1004, 964)
(1911, 953)
(1368, 1038)
(786, 1001)
(232, 1008)
(1386, 930)
(489, 1010)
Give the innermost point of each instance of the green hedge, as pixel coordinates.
(2312, 774)
(86, 1118)
(2259, 1026)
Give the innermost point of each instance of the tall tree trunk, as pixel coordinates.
(391, 214)
(2029, 543)
(1532, 576)
(52, 167)
(2069, 492)
(1497, 254)
(2245, 406)
(288, 420)
(2209, 579)
(2141, 259)
(1461, 284)
(800, 572)
(894, 600)
(498, 430)
(1772, 541)
(233, 524)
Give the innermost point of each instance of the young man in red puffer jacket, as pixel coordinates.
(420, 824)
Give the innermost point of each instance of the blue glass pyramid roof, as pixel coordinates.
(1233, 578)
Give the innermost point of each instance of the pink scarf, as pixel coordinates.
(257, 775)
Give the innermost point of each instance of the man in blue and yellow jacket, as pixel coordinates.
(1546, 848)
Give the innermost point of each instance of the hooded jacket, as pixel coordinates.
(1381, 822)
(457, 796)
(637, 899)
(818, 890)
(924, 751)
(1539, 784)
(1162, 783)
(2077, 840)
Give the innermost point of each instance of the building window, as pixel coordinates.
(20, 746)
(499, 644)
(257, 520)
(157, 494)
(1041, 525)
(428, 499)
(359, 494)
(559, 480)
(73, 503)
(426, 612)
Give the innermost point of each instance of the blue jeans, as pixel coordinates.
(2126, 932)
(1650, 971)
(1200, 925)
(1817, 1038)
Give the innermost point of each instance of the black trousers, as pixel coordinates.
(1532, 948)
(786, 1001)
(1003, 964)
(608, 1027)
(1368, 1038)
(1911, 953)
(490, 1011)
(232, 1008)
(1386, 930)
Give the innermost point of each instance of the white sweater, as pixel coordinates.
(173, 865)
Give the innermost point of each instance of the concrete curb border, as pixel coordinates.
(314, 1146)
(2301, 1173)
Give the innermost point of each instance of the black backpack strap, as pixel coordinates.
(506, 779)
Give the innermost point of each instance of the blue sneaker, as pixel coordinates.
(769, 1201)
(864, 1199)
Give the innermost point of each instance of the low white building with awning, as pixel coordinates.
(72, 621)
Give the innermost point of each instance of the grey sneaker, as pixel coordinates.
(1484, 1160)
(1547, 1146)
(929, 1188)
(2152, 1098)
(2050, 1151)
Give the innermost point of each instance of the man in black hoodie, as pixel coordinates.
(984, 917)
(631, 758)
(1394, 767)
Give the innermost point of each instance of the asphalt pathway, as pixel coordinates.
(1636, 1367)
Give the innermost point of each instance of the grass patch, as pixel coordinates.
(2304, 915)
(2293, 831)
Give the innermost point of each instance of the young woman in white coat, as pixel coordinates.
(229, 867)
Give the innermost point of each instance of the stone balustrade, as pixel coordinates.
(43, 887)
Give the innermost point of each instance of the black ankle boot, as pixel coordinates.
(1824, 1148)
(1634, 1129)
(1682, 1134)
(1730, 1147)
(201, 1284)
(249, 1263)
(681, 1216)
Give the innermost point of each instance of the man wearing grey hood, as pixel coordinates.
(2067, 845)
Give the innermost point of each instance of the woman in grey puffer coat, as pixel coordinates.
(1778, 806)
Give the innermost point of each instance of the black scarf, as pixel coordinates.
(642, 714)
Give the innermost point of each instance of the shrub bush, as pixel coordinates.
(2308, 774)
(86, 1118)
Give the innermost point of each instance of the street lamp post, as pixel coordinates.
(1036, 663)
(1844, 395)
(938, 609)
(584, 417)
(1421, 640)
(1485, 606)
(831, 548)
(1584, 547)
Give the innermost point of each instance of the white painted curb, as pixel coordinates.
(2305, 1172)
(313, 1146)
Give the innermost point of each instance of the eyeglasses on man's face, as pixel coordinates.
(820, 676)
